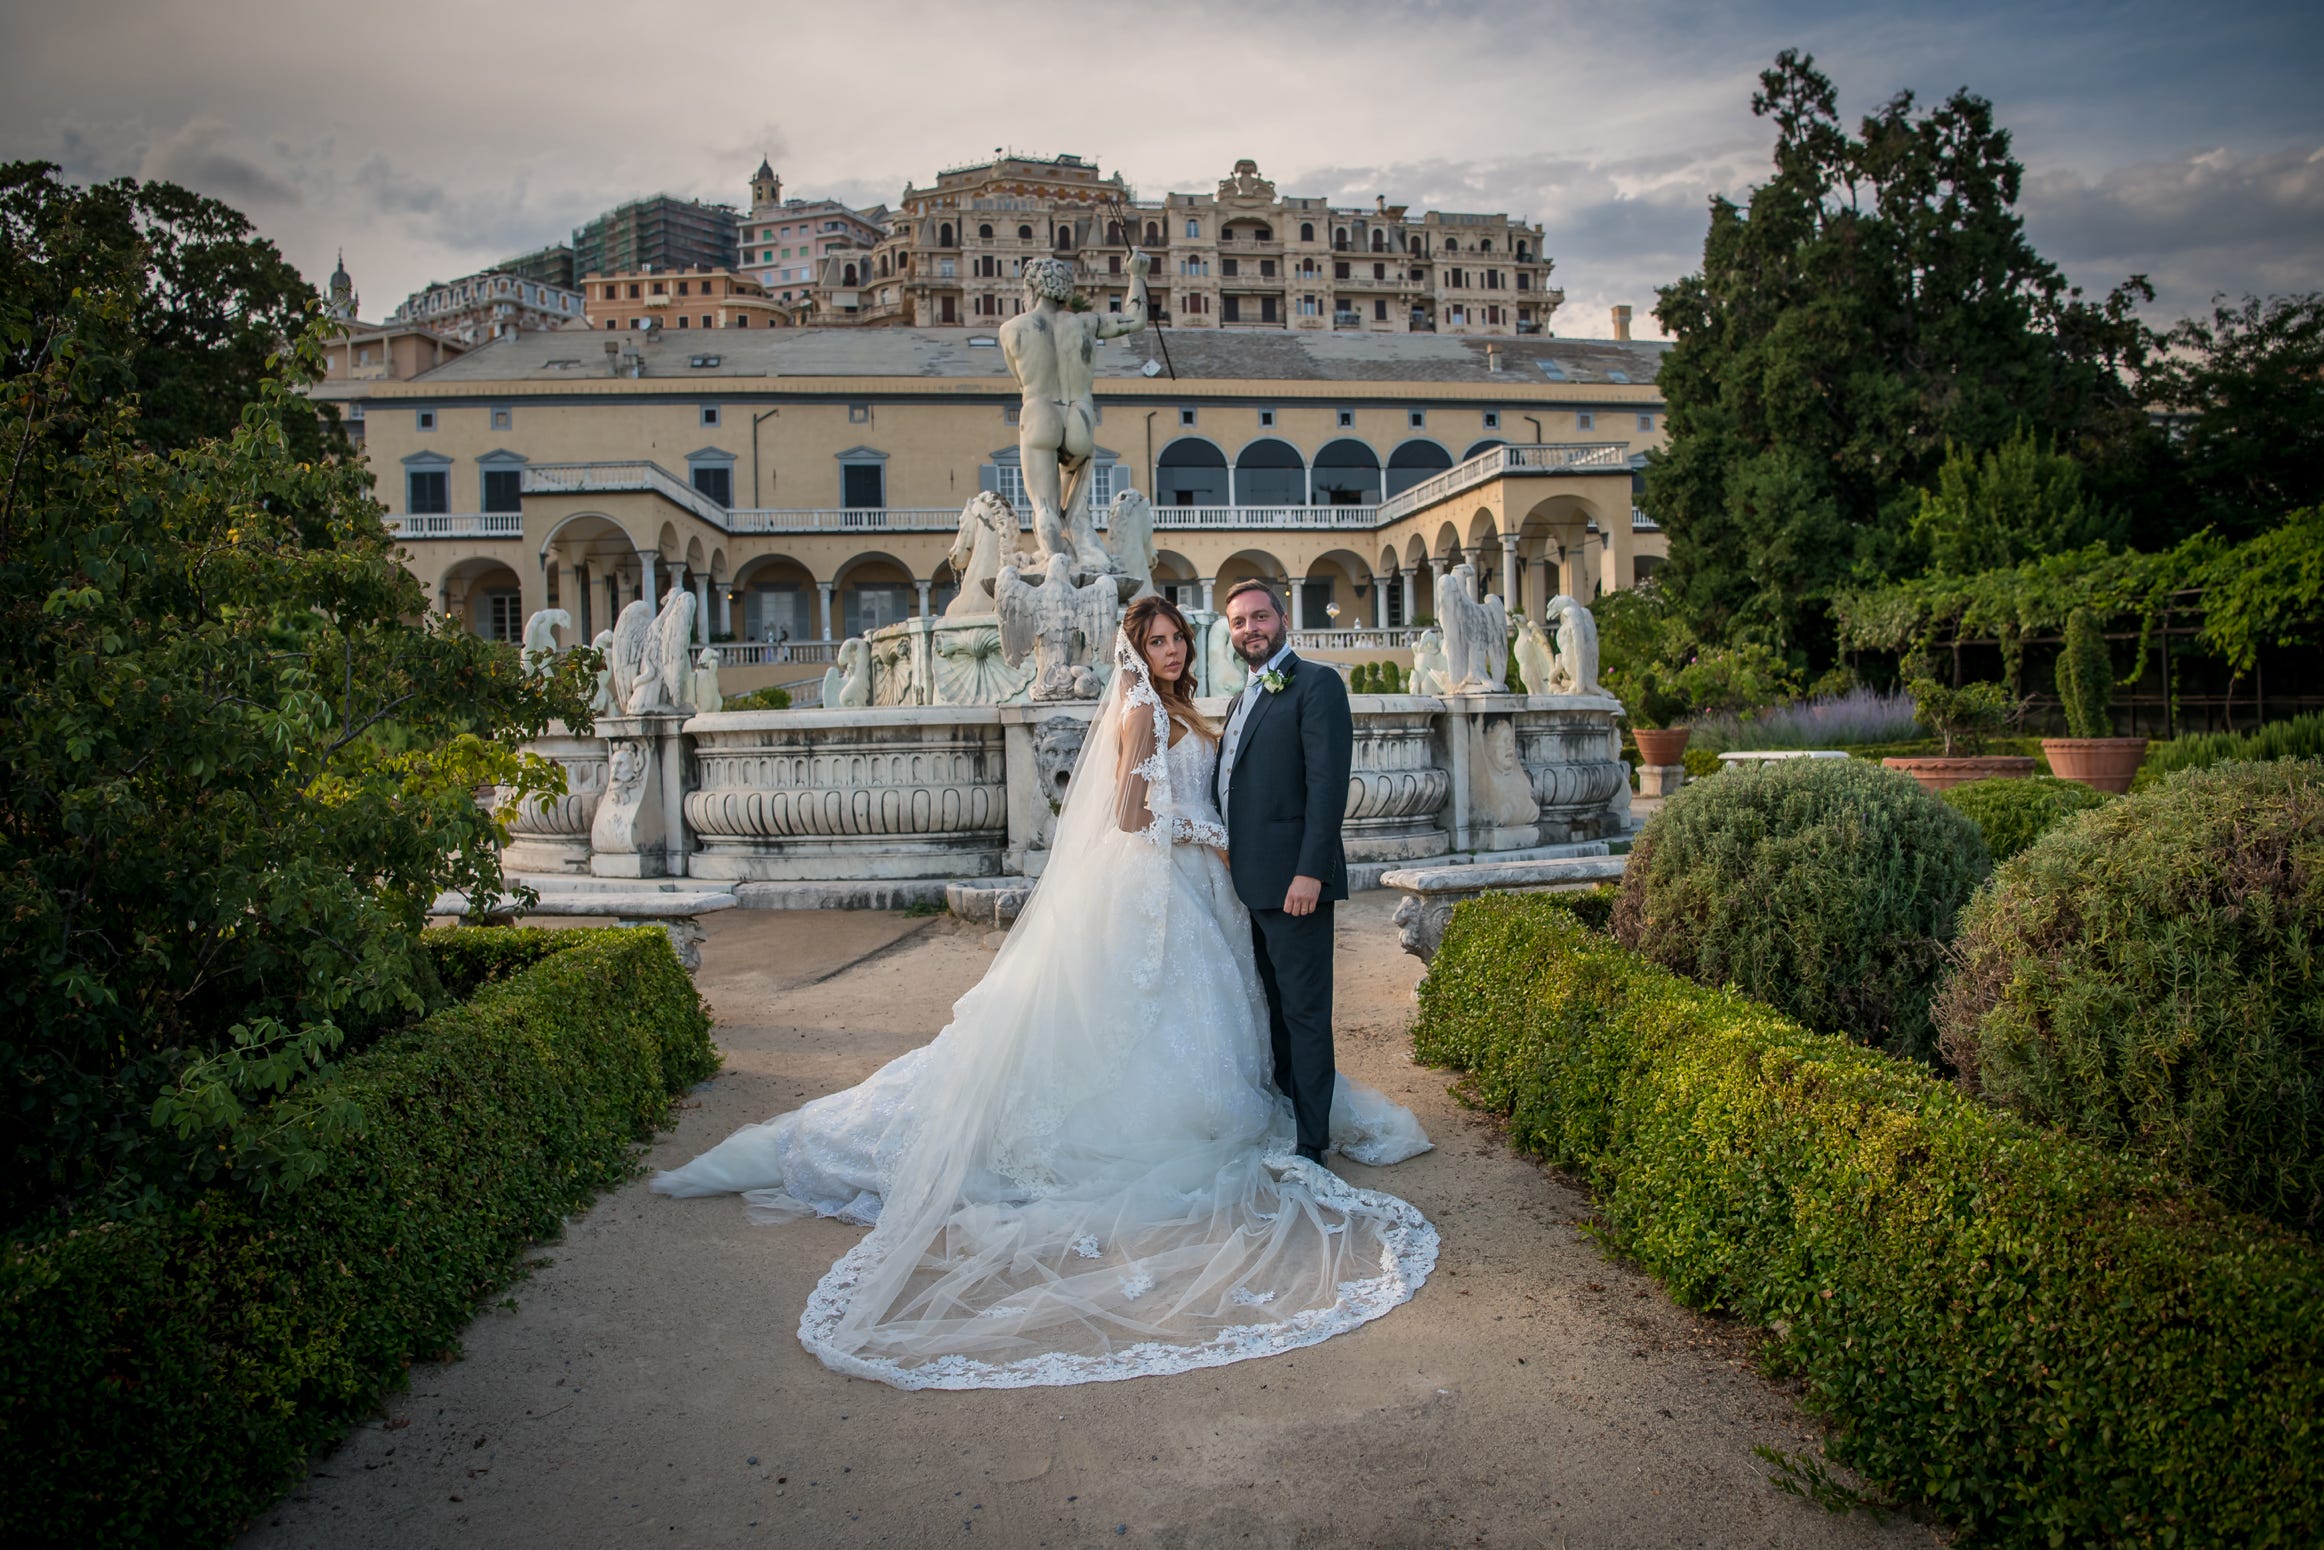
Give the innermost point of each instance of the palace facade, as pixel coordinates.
(807, 483)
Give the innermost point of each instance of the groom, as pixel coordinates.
(1283, 786)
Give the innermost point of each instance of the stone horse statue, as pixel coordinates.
(987, 537)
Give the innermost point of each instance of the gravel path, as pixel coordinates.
(646, 1387)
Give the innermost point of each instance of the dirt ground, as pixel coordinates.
(645, 1387)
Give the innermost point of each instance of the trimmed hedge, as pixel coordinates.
(2299, 737)
(163, 1378)
(1824, 886)
(2013, 813)
(2149, 976)
(2042, 1341)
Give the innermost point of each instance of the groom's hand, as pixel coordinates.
(1305, 892)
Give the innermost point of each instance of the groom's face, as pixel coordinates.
(1255, 625)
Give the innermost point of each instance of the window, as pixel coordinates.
(1646, 422)
(659, 288)
(863, 485)
(1419, 419)
(684, 321)
(1230, 267)
(1307, 231)
(1186, 417)
(502, 616)
(503, 489)
(633, 293)
(1492, 419)
(684, 289)
(1024, 234)
(1584, 420)
(709, 415)
(612, 323)
(985, 232)
(427, 419)
(706, 323)
(427, 491)
(1267, 419)
(1009, 414)
(711, 471)
(1339, 271)
(1266, 269)
(859, 414)
(1347, 419)
(1380, 311)
(1230, 309)
(1193, 230)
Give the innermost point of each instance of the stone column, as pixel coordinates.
(725, 609)
(1298, 609)
(701, 609)
(1209, 585)
(825, 588)
(1509, 575)
(1537, 606)
(647, 586)
(1405, 579)
(1379, 601)
(582, 633)
(924, 586)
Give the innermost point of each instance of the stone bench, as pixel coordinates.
(1772, 755)
(1430, 893)
(673, 906)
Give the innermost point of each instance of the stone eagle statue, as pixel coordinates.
(1063, 627)
(848, 686)
(1476, 634)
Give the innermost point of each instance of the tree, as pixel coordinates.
(241, 763)
(2016, 503)
(205, 304)
(1874, 304)
(2244, 390)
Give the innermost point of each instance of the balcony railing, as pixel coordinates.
(1359, 518)
(846, 519)
(760, 653)
(1500, 462)
(618, 478)
(483, 524)
(1353, 640)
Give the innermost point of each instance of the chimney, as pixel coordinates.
(1380, 202)
(1492, 357)
(1622, 323)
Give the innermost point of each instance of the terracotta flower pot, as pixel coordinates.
(2106, 763)
(1661, 746)
(1937, 773)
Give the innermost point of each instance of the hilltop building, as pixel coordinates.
(786, 243)
(696, 298)
(488, 305)
(662, 234)
(552, 265)
(1241, 257)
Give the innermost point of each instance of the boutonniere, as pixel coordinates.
(1273, 680)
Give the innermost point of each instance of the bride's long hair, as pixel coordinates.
(1178, 693)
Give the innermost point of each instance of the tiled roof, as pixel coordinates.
(1209, 354)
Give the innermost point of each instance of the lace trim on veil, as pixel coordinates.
(1409, 1250)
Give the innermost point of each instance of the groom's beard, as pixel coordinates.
(1258, 651)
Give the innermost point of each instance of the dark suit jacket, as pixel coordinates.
(1289, 789)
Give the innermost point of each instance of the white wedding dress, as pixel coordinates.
(1089, 1174)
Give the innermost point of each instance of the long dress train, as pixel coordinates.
(1089, 1174)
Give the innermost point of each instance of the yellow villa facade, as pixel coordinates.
(807, 484)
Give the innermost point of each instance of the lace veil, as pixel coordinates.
(1072, 1185)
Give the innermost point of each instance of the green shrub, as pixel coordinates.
(2086, 677)
(758, 699)
(2043, 1342)
(1924, 747)
(467, 959)
(1365, 679)
(2149, 977)
(2012, 813)
(2301, 737)
(1963, 720)
(1827, 887)
(164, 1377)
(1701, 762)
(1397, 679)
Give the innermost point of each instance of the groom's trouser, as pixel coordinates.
(1294, 954)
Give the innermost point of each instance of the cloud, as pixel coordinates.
(2203, 222)
(204, 155)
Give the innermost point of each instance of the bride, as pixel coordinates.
(1089, 1174)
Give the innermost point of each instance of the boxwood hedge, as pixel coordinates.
(2013, 813)
(2043, 1342)
(162, 1378)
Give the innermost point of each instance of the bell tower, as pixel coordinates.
(766, 190)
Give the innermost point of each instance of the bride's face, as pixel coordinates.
(1165, 648)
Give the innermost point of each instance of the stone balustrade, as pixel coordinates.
(831, 794)
(920, 795)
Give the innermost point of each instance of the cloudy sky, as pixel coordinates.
(428, 139)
